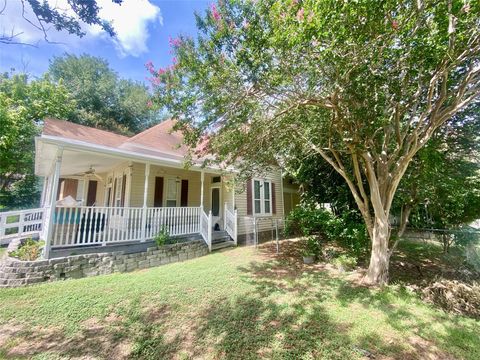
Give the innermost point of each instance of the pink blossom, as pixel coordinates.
(161, 71)
(215, 13)
(149, 103)
(155, 81)
(174, 41)
(300, 14)
(150, 67)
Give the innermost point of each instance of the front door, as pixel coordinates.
(216, 205)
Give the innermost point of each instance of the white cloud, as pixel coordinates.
(131, 21)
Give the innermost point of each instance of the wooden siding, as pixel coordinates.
(138, 183)
(245, 224)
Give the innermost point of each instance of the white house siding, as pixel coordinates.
(245, 222)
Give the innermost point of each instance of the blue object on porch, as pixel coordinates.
(60, 218)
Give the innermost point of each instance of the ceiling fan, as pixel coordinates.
(89, 173)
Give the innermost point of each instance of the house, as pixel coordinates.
(104, 189)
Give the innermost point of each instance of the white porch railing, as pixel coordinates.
(230, 222)
(21, 223)
(176, 220)
(78, 226)
(206, 223)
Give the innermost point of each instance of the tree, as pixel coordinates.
(441, 186)
(23, 105)
(363, 84)
(47, 14)
(103, 100)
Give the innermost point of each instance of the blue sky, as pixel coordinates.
(143, 28)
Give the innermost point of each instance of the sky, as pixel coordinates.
(143, 30)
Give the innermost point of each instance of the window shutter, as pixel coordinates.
(184, 193)
(249, 197)
(124, 187)
(274, 199)
(158, 195)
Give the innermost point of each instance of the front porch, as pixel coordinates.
(92, 200)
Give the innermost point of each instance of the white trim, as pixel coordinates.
(165, 189)
(119, 153)
(218, 186)
(262, 197)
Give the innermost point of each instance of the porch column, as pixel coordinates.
(202, 180)
(50, 211)
(84, 190)
(145, 197)
(43, 198)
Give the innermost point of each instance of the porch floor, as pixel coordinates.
(126, 248)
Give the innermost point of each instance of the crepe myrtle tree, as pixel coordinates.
(364, 84)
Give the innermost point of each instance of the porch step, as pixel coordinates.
(222, 244)
(221, 239)
(219, 235)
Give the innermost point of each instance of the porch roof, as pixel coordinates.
(86, 147)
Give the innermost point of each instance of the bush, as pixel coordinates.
(307, 220)
(312, 247)
(348, 230)
(30, 250)
(162, 238)
(345, 262)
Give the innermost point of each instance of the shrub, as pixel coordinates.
(30, 250)
(162, 238)
(348, 229)
(306, 220)
(345, 262)
(312, 247)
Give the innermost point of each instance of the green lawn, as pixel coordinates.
(235, 304)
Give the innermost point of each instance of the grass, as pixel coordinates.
(235, 304)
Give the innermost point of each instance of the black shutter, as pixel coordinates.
(249, 197)
(274, 199)
(184, 193)
(158, 197)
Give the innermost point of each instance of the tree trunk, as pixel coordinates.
(407, 209)
(377, 273)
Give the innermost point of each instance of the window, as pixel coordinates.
(172, 193)
(118, 190)
(262, 198)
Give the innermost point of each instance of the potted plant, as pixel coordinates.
(311, 250)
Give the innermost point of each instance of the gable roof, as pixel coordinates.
(157, 140)
(69, 130)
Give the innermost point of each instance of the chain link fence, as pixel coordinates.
(259, 230)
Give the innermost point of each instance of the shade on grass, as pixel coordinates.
(236, 304)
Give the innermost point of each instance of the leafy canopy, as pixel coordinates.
(23, 105)
(103, 99)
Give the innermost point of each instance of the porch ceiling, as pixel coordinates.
(74, 162)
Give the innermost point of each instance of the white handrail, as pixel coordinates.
(230, 223)
(20, 223)
(206, 228)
